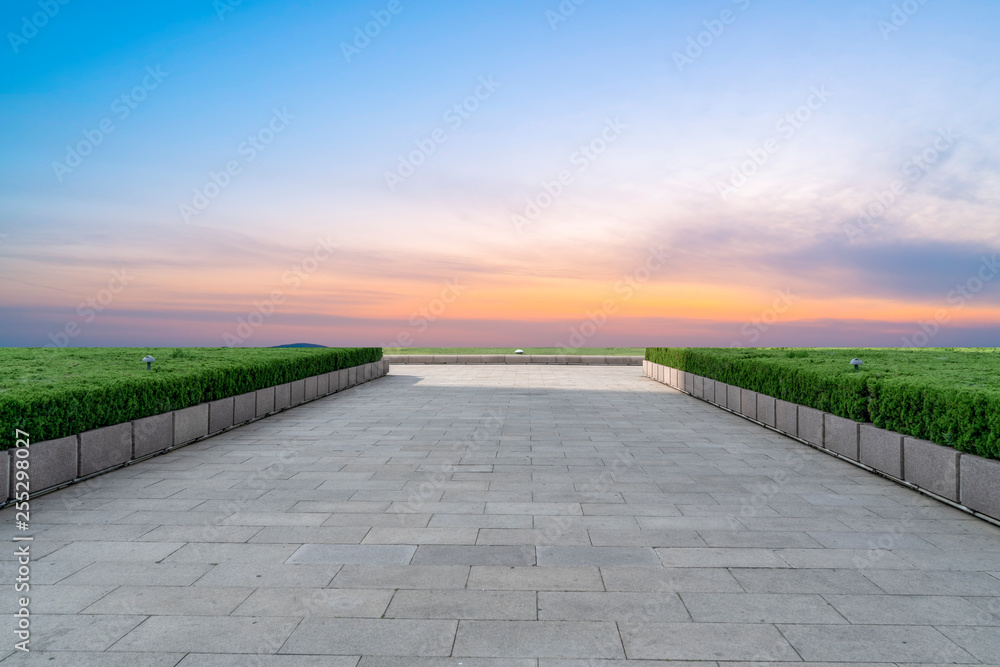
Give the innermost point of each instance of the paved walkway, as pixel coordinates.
(497, 515)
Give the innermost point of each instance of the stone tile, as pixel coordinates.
(873, 643)
(401, 576)
(463, 604)
(170, 601)
(234, 573)
(386, 637)
(709, 641)
(924, 582)
(222, 660)
(214, 552)
(646, 538)
(759, 608)
(124, 573)
(353, 554)
(214, 634)
(596, 557)
(89, 552)
(79, 632)
(982, 643)
(389, 535)
(476, 555)
(310, 534)
(611, 606)
(670, 580)
(516, 536)
(535, 579)
(93, 659)
(804, 581)
(381, 661)
(730, 557)
(542, 639)
(910, 610)
(52, 599)
(322, 602)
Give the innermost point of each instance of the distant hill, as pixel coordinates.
(300, 345)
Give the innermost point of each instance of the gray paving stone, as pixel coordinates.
(79, 632)
(542, 639)
(222, 660)
(348, 636)
(101, 659)
(464, 605)
(924, 582)
(611, 606)
(322, 602)
(872, 643)
(208, 634)
(475, 555)
(804, 581)
(353, 554)
(170, 601)
(669, 580)
(597, 556)
(713, 641)
(535, 579)
(910, 610)
(54, 599)
(759, 608)
(982, 643)
(402, 576)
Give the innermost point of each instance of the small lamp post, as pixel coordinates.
(149, 362)
(856, 363)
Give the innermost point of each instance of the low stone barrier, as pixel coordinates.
(63, 461)
(586, 359)
(966, 480)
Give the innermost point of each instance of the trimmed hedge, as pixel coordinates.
(907, 391)
(53, 411)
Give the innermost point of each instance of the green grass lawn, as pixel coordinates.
(605, 351)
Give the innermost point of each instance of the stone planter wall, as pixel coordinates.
(967, 480)
(55, 463)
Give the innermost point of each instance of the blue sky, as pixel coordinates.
(892, 79)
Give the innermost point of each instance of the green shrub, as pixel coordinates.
(51, 393)
(947, 395)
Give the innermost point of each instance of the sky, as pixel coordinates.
(527, 173)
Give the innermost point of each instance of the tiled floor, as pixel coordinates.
(503, 515)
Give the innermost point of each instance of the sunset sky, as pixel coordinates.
(522, 173)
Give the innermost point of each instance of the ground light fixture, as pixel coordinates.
(149, 362)
(518, 351)
(856, 363)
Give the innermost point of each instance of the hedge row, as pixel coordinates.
(58, 412)
(967, 419)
